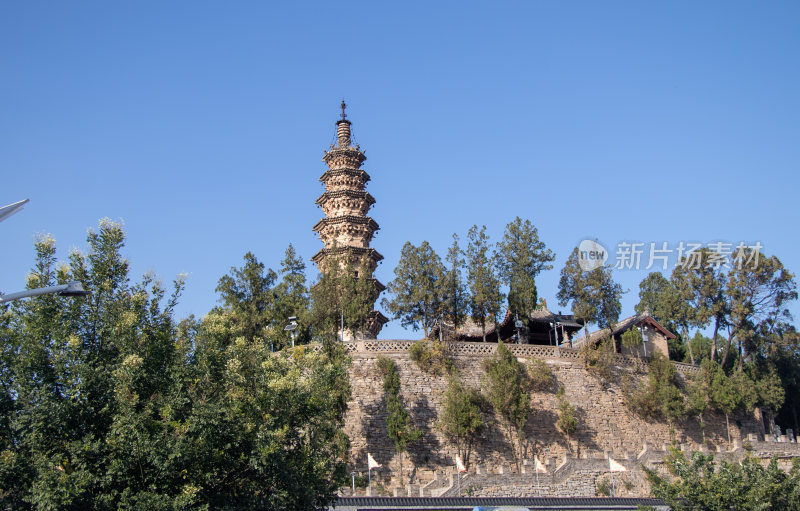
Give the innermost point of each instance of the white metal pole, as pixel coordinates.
(613, 487)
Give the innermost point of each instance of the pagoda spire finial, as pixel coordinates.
(343, 128)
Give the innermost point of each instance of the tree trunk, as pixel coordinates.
(741, 355)
(402, 454)
(727, 348)
(702, 428)
(728, 428)
(483, 329)
(714, 340)
(688, 343)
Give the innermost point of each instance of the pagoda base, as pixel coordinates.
(374, 325)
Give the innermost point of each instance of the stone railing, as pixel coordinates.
(485, 349)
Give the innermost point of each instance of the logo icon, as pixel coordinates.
(591, 255)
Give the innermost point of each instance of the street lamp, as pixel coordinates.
(7, 211)
(291, 328)
(518, 325)
(69, 289)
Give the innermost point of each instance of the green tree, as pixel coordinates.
(632, 340)
(725, 396)
(342, 292)
(456, 297)
(661, 397)
(699, 284)
(684, 314)
(566, 423)
(658, 296)
(771, 394)
(360, 293)
(291, 298)
(112, 404)
(507, 388)
(759, 297)
(708, 484)
(486, 299)
(398, 423)
(699, 391)
(461, 420)
(418, 289)
(247, 296)
(594, 295)
(522, 256)
(785, 356)
(541, 377)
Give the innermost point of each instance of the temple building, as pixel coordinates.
(655, 337)
(346, 228)
(540, 327)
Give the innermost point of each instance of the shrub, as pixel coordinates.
(567, 423)
(661, 398)
(599, 360)
(431, 356)
(542, 378)
(603, 487)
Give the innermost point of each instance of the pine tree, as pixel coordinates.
(418, 289)
(507, 388)
(594, 295)
(398, 423)
(248, 298)
(343, 292)
(522, 256)
(456, 297)
(291, 299)
(486, 299)
(461, 420)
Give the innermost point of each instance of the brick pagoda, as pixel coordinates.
(345, 202)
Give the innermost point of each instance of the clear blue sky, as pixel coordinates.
(202, 126)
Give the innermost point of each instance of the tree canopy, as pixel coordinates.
(522, 256)
(594, 295)
(109, 402)
(486, 297)
(418, 290)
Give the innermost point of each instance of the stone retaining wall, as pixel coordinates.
(605, 425)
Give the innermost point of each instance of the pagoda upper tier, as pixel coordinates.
(345, 201)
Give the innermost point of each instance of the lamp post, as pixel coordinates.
(7, 211)
(291, 328)
(73, 288)
(69, 289)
